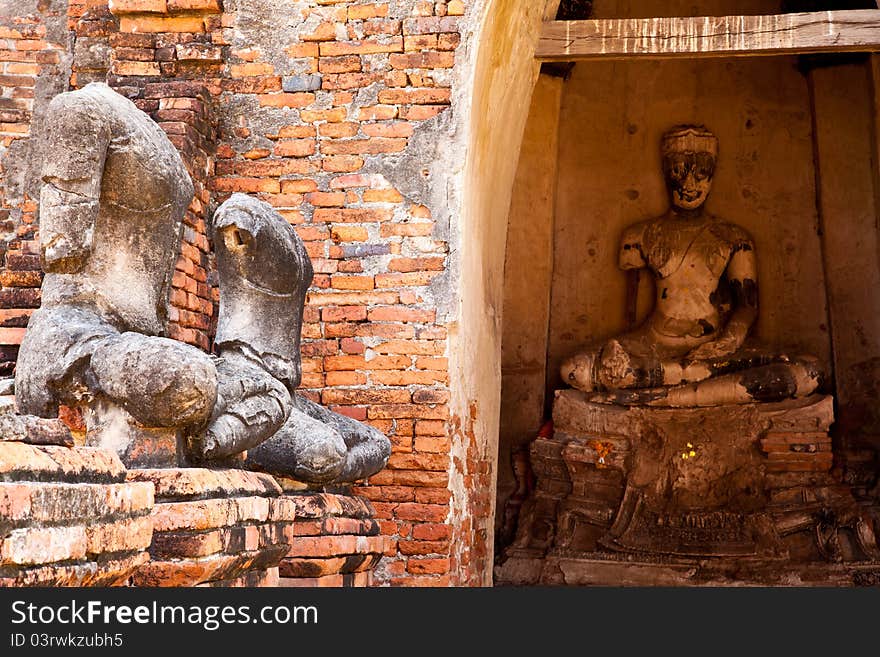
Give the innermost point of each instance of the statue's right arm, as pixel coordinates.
(631, 254)
(631, 259)
(75, 149)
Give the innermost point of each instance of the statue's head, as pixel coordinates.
(689, 154)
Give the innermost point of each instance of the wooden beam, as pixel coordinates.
(710, 36)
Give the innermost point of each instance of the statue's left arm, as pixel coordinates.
(742, 273)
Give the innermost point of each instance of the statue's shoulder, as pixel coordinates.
(634, 234)
(632, 245)
(736, 236)
(93, 104)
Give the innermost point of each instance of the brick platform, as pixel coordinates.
(725, 495)
(336, 542)
(215, 527)
(69, 518)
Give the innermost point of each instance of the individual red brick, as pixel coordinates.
(414, 96)
(303, 50)
(399, 129)
(344, 64)
(411, 279)
(295, 148)
(407, 378)
(420, 347)
(342, 163)
(336, 81)
(345, 378)
(365, 47)
(415, 411)
(429, 462)
(352, 282)
(360, 363)
(421, 112)
(364, 396)
(343, 314)
(325, 31)
(370, 146)
(247, 185)
(352, 215)
(338, 130)
(436, 444)
(399, 314)
(344, 233)
(377, 113)
(431, 532)
(358, 12)
(434, 495)
(432, 363)
(427, 59)
(355, 412)
(434, 513)
(421, 548)
(378, 27)
(388, 331)
(299, 99)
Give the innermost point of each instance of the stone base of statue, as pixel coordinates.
(68, 517)
(734, 494)
(337, 541)
(215, 527)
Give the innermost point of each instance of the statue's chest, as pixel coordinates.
(695, 252)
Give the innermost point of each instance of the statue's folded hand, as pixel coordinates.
(723, 346)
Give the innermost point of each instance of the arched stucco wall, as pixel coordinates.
(504, 72)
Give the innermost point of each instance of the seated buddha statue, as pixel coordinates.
(693, 348)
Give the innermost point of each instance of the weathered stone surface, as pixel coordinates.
(321, 567)
(265, 272)
(336, 527)
(741, 493)
(24, 462)
(34, 430)
(350, 580)
(190, 572)
(320, 505)
(111, 209)
(196, 515)
(177, 484)
(251, 579)
(45, 545)
(184, 544)
(24, 504)
(106, 572)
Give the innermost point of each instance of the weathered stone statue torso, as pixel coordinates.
(111, 174)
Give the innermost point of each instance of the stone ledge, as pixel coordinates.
(334, 542)
(114, 571)
(215, 527)
(26, 462)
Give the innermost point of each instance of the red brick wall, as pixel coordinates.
(325, 132)
(26, 55)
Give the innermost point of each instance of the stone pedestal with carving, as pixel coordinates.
(68, 517)
(215, 528)
(722, 495)
(337, 542)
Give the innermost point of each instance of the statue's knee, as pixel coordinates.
(578, 371)
(160, 382)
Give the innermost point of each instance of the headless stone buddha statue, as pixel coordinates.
(265, 273)
(692, 349)
(111, 220)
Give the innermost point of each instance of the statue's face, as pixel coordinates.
(689, 176)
